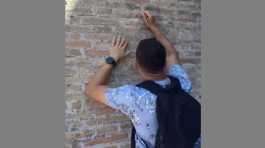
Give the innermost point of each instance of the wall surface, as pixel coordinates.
(89, 27)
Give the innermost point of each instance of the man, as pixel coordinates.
(155, 60)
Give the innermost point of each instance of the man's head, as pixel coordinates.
(150, 58)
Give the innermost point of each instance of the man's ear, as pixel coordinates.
(138, 69)
(136, 66)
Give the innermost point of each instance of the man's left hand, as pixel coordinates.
(119, 44)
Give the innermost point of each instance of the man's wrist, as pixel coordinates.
(156, 32)
(154, 29)
(115, 58)
(108, 65)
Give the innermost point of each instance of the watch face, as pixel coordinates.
(110, 60)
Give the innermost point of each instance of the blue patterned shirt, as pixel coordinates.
(139, 105)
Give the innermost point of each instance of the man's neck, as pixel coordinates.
(155, 77)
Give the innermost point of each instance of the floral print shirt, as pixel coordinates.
(139, 105)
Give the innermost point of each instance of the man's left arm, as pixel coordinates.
(97, 85)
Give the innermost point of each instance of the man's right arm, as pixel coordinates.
(172, 54)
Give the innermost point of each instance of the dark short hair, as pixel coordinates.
(151, 55)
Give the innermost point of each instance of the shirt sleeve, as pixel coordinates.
(121, 98)
(179, 72)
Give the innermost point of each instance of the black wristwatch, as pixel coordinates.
(111, 60)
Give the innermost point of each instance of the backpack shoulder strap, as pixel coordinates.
(174, 83)
(133, 132)
(151, 86)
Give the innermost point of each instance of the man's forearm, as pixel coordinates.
(96, 87)
(102, 76)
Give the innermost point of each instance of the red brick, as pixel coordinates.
(141, 1)
(77, 44)
(112, 138)
(113, 146)
(75, 36)
(191, 60)
(76, 105)
(106, 129)
(184, 18)
(94, 52)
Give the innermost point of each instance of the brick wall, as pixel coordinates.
(89, 27)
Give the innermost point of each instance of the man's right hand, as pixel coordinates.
(149, 20)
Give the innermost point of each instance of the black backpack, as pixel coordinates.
(178, 115)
